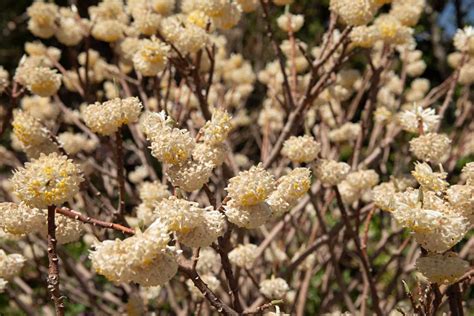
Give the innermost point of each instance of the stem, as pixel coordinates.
(455, 300)
(53, 269)
(208, 294)
(120, 175)
(95, 222)
(223, 249)
(360, 253)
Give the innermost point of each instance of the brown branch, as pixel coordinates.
(120, 212)
(208, 294)
(360, 253)
(53, 269)
(92, 221)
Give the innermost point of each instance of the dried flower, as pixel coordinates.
(442, 268)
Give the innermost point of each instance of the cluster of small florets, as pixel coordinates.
(74, 143)
(49, 180)
(331, 172)
(430, 147)
(143, 258)
(290, 188)
(248, 192)
(106, 118)
(274, 288)
(193, 225)
(168, 144)
(10, 265)
(437, 214)
(151, 57)
(355, 13)
(47, 20)
(67, 229)
(19, 219)
(347, 132)
(243, 256)
(356, 184)
(31, 134)
(392, 28)
(301, 149)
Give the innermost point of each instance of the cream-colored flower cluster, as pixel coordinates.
(10, 265)
(356, 183)
(47, 20)
(168, 144)
(143, 258)
(106, 118)
(32, 136)
(392, 28)
(243, 255)
(438, 215)
(151, 57)
(290, 188)
(274, 288)
(19, 219)
(49, 180)
(193, 225)
(331, 172)
(248, 192)
(301, 149)
(150, 193)
(430, 147)
(416, 119)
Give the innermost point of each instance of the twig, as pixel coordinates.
(95, 222)
(120, 212)
(208, 294)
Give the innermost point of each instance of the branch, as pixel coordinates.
(92, 221)
(53, 269)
